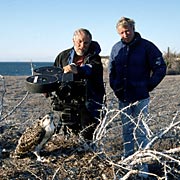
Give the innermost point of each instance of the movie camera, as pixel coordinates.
(67, 96)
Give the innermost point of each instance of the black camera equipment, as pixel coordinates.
(68, 97)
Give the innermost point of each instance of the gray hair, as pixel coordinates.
(124, 22)
(82, 30)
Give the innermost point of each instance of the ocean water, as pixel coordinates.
(20, 68)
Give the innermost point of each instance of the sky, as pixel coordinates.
(38, 30)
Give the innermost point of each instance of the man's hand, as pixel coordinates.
(70, 68)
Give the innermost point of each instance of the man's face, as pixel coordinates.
(81, 43)
(126, 33)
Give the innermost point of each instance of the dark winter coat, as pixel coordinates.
(135, 69)
(92, 71)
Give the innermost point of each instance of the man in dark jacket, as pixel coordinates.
(84, 62)
(136, 67)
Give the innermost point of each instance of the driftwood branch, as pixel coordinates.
(148, 155)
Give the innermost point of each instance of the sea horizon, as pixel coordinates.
(23, 68)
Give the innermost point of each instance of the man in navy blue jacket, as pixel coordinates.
(83, 61)
(136, 67)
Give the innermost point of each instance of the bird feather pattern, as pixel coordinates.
(30, 139)
(36, 136)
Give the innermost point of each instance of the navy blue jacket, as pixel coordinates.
(135, 69)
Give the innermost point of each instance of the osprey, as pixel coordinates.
(35, 137)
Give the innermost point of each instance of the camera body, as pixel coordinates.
(68, 97)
